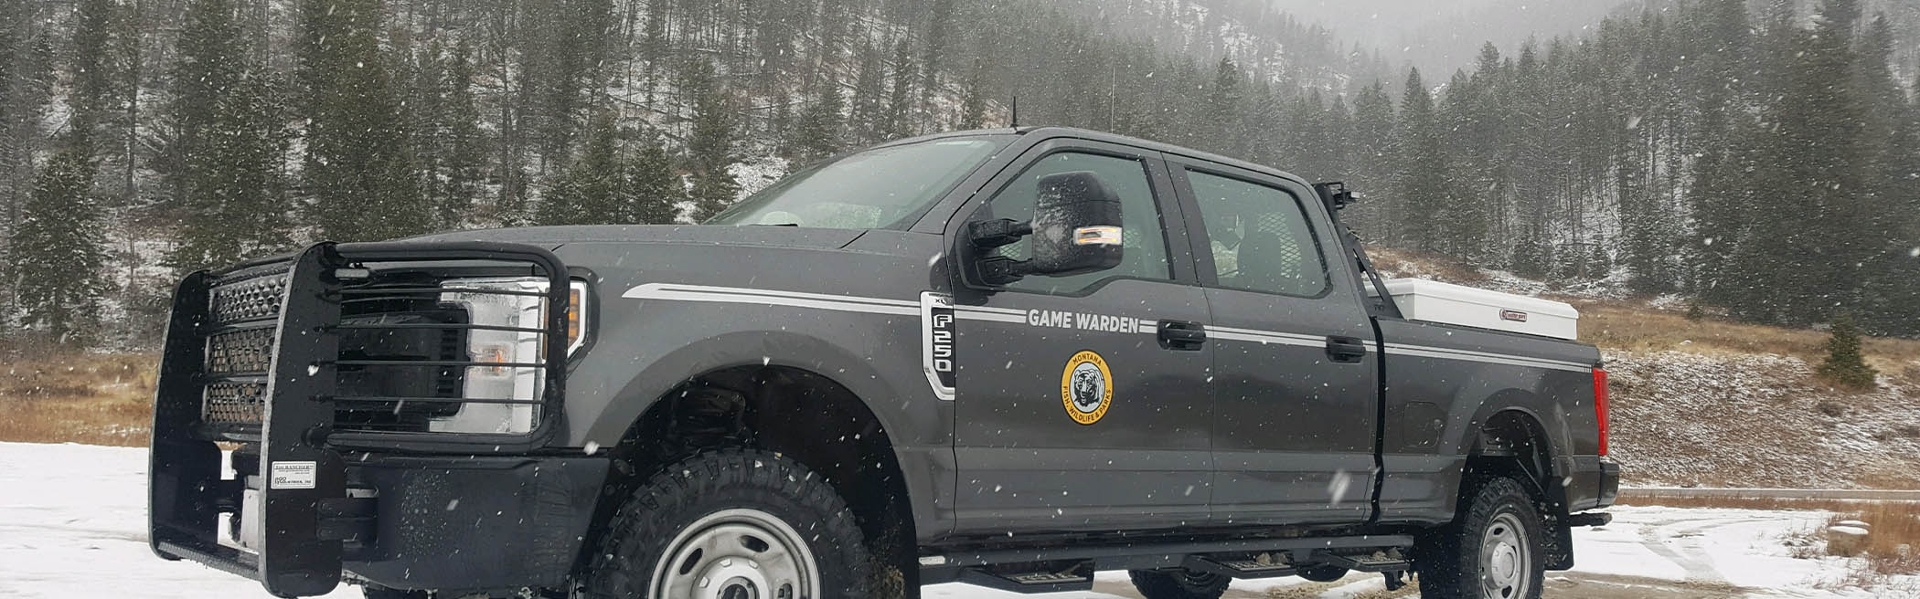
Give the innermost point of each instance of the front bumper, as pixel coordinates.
(477, 522)
(254, 356)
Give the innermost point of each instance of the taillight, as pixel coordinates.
(1601, 411)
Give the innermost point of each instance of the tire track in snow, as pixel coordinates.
(1662, 537)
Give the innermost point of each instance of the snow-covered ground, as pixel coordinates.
(73, 522)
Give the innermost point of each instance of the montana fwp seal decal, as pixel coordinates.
(1086, 387)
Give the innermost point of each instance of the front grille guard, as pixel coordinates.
(287, 400)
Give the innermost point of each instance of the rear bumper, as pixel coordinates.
(1593, 484)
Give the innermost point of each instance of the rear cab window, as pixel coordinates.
(1258, 237)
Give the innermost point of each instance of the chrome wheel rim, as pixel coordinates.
(1506, 561)
(737, 554)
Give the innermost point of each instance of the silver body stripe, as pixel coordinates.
(894, 307)
(1473, 356)
(740, 295)
(985, 314)
(1301, 340)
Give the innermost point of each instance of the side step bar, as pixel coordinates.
(1071, 567)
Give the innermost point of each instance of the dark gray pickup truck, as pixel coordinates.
(1010, 358)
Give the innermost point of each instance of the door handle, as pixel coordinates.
(1346, 350)
(1181, 335)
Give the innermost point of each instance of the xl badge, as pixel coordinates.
(1086, 387)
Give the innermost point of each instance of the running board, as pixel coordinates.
(1389, 560)
(1070, 566)
(1078, 577)
(1264, 565)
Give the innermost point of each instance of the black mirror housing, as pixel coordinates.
(1076, 226)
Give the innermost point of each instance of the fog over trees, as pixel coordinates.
(1759, 159)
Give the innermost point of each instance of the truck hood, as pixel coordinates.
(754, 236)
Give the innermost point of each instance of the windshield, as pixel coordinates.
(881, 188)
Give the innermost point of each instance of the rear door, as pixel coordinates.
(1072, 413)
(1295, 370)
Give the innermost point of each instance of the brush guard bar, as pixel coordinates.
(311, 520)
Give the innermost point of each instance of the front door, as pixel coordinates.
(1295, 383)
(1073, 412)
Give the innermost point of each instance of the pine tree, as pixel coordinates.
(463, 146)
(898, 123)
(58, 251)
(973, 102)
(657, 190)
(1423, 178)
(867, 117)
(92, 71)
(1845, 366)
(819, 132)
(711, 143)
(229, 144)
(1372, 153)
(1223, 105)
(358, 176)
(598, 188)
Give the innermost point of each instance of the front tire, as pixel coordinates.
(1178, 584)
(732, 524)
(1493, 551)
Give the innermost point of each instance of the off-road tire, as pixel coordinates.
(1448, 559)
(717, 482)
(1178, 584)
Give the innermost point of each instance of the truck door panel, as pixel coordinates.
(1295, 372)
(1035, 450)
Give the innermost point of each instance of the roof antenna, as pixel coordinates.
(1016, 111)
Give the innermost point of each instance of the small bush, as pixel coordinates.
(1830, 409)
(1845, 366)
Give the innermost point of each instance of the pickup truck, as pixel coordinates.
(1011, 358)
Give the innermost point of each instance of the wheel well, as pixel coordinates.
(792, 412)
(1513, 444)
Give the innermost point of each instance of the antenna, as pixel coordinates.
(1016, 112)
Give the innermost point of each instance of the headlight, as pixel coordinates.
(513, 344)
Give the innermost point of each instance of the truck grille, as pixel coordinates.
(382, 343)
(238, 352)
(235, 403)
(243, 308)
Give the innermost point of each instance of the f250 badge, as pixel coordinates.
(1086, 387)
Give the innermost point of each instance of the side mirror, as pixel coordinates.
(1076, 229)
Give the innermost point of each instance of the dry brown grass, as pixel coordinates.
(1629, 327)
(1839, 506)
(86, 398)
(1893, 538)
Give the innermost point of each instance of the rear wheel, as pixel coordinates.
(1493, 551)
(734, 524)
(1178, 583)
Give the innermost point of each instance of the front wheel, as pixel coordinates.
(733, 524)
(1493, 551)
(1178, 583)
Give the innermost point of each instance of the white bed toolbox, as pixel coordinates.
(1433, 301)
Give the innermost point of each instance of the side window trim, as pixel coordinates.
(1167, 200)
(1201, 244)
